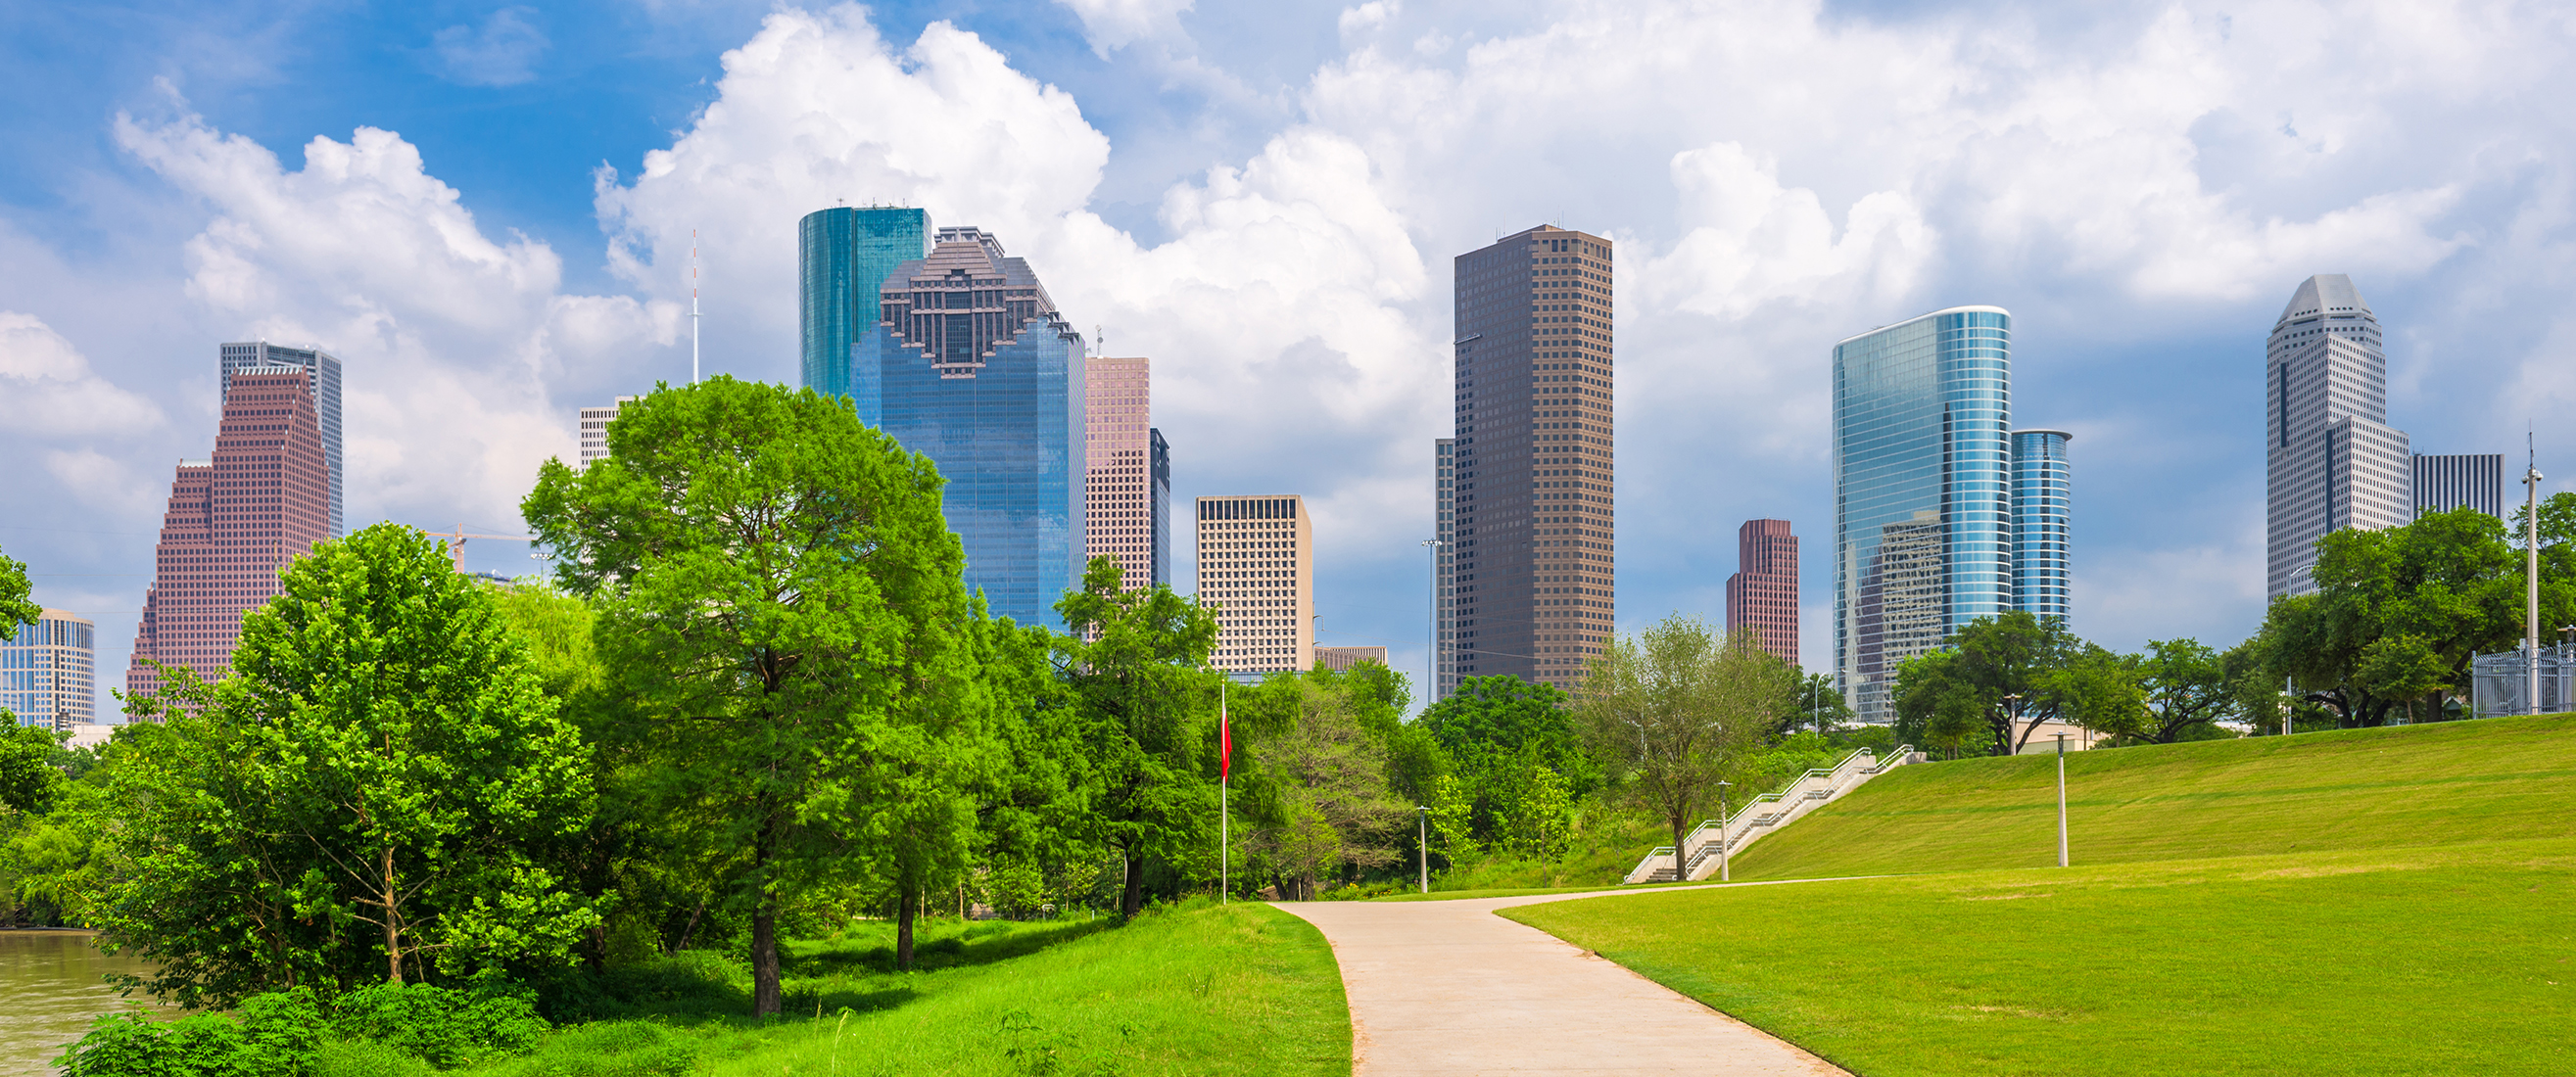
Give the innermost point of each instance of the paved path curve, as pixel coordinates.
(1447, 988)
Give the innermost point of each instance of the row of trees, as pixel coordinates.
(2388, 635)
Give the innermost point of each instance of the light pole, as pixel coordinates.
(1422, 844)
(2061, 800)
(1724, 824)
(1432, 690)
(2531, 577)
(2012, 719)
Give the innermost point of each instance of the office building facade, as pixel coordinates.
(971, 365)
(234, 520)
(1444, 568)
(325, 371)
(1120, 490)
(1922, 491)
(2042, 520)
(1763, 594)
(1346, 659)
(1162, 506)
(2474, 481)
(594, 431)
(1256, 566)
(843, 256)
(2331, 459)
(1536, 526)
(48, 671)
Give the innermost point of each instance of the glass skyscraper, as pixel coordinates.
(843, 255)
(2042, 515)
(970, 364)
(1922, 491)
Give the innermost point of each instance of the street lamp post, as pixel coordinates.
(1432, 659)
(1724, 840)
(2531, 580)
(1422, 844)
(2061, 800)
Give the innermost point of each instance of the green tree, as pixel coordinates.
(1820, 705)
(1322, 754)
(15, 608)
(31, 776)
(365, 789)
(1493, 730)
(2188, 690)
(2003, 677)
(781, 603)
(1676, 709)
(1135, 664)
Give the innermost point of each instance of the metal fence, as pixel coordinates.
(2498, 682)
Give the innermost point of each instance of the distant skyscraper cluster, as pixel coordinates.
(265, 497)
(48, 671)
(1943, 513)
(1535, 531)
(1763, 593)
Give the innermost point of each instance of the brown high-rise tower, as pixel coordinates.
(1533, 569)
(1763, 593)
(234, 520)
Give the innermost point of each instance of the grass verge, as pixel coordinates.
(2492, 779)
(2459, 959)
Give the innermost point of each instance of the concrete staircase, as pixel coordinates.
(1767, 813)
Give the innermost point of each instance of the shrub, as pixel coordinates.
(442, 1026)
(275, 1037)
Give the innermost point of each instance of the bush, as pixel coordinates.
(275, 1037)
(444, 1027)
(366, 1058)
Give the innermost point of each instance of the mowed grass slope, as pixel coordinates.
(2490, 780)
(2397, 901)
(2426, 961)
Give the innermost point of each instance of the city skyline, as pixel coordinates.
(2138, 185)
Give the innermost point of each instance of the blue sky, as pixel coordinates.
(484, 210)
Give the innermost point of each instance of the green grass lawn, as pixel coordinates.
(2416, 961)
(2397, 901)
(2494, 779)
(1194, 989)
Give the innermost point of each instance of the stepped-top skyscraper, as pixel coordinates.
(970, 364)
(2333, 460)
(1534, 564)
(1130, 485)
(325, 386)
(262, 499)
(842, 256)
(1763, 593)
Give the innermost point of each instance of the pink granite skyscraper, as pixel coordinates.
(262, 500)
(1128, 493)
(1763, 593)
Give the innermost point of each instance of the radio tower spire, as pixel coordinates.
(693, 306)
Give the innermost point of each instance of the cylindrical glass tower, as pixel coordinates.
(2040, 518)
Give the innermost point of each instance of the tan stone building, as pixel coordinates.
(1256, 566)
(1342, 659)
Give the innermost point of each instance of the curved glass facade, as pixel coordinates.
(843, 256)
(2041, 515)
(48, 671)
(1922, 494)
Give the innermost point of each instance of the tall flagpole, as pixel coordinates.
(1224, 821)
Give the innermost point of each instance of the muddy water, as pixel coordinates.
(49, 990)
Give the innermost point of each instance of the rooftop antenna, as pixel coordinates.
(693, 306)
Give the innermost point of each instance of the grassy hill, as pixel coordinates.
(2398, 901)
(2490, 780)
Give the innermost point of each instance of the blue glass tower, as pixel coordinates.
(2041, 516)
(1922, 491)
(842, 255)
(970, 364)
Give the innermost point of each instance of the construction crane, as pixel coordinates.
(455, 542)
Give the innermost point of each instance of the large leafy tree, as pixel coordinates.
(2399, 613)
(1135, 665)
(780, 603)
(1992, 684)
(2188, 690)
(361, 799)
(1678, 708)
(15, 608)
(1314, 758)
(1496, 732)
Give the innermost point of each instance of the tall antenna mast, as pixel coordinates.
(693, 306)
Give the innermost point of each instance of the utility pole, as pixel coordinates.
(1422, 844)
(2531, 574)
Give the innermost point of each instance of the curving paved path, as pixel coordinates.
(1445, 988)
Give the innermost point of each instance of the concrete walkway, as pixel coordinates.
(1443, 988)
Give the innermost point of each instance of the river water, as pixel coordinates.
(49, 990)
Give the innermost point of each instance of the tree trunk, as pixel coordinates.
(393, 927)
(764, 957)
(1132, 899)
(1678, 875)
(907, 907)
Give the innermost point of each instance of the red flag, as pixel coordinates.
(1224, 745)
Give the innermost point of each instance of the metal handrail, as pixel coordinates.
(1730, 836)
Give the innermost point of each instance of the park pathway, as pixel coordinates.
(1447, 989)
